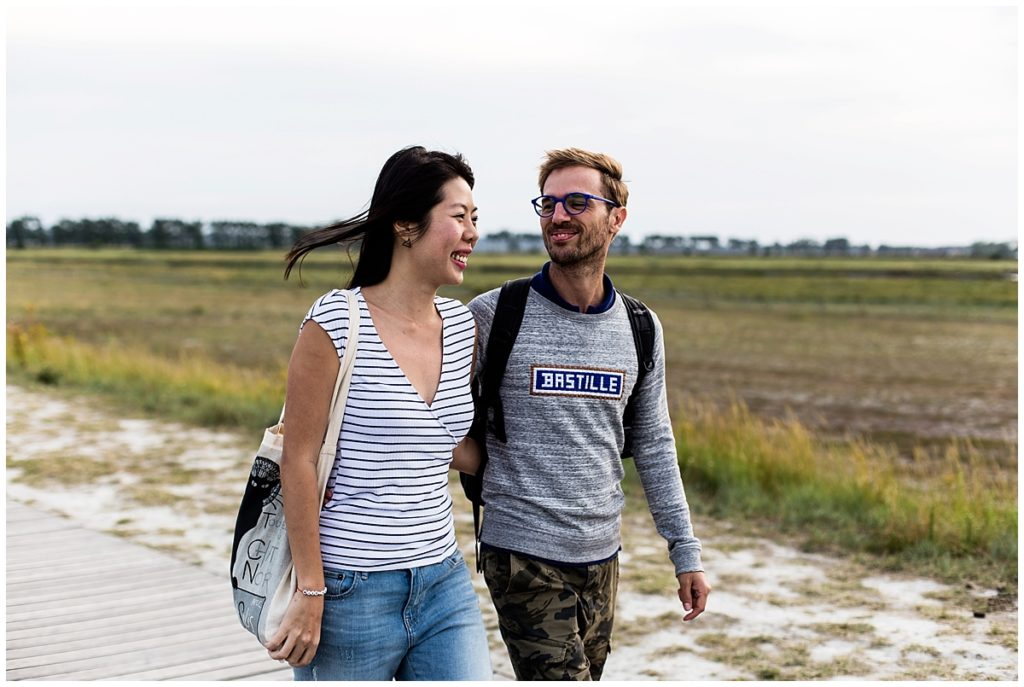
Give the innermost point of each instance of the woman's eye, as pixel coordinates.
(475, 219)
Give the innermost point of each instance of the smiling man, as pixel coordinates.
(551, 531)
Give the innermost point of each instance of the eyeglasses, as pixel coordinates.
(573, 203)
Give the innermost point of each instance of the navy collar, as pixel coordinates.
(541, 283)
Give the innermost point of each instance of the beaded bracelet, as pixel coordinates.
(314, 592)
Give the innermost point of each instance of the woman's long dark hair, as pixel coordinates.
(408, 186)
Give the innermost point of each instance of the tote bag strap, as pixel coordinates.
(347, 361)
(341, 386)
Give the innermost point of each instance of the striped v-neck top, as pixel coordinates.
(388, 505)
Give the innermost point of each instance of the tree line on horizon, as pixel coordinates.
(162, 234)
(177, 234)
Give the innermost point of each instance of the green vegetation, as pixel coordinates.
(953, 514)
(819, 397)
(817, 282)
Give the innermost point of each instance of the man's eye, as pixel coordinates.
(547, 204)
(576, 202)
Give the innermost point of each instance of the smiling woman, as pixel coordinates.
(384, 532)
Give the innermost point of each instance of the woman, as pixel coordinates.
(383, 590)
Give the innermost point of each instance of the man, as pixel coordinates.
(550, 538)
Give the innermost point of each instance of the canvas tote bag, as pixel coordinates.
(262, 574)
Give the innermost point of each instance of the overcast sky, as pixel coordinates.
(882, 125)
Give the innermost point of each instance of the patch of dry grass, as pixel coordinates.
(63, 468)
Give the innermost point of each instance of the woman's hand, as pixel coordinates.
(297, 639)
(466, 456)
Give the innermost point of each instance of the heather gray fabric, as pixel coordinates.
(553, 491)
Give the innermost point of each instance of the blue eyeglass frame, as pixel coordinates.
(557, 200)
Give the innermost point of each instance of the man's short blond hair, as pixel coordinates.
(610, 169)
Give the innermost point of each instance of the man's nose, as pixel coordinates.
(560, 214)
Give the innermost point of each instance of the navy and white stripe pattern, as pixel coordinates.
(390, 508)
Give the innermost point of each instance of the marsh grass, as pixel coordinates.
(190, 388)
(959, 284)
(955, 514)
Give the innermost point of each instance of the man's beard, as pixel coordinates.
(583, 253)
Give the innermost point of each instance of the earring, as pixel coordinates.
(407, 242)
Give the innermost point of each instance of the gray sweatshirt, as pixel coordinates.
(553, 491)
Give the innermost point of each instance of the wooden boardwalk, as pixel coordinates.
(82, 605)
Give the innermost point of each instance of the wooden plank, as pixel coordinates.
(283, 674)
(49, 570)
(108, 626)
(29, 528)
(57, 552)
(235, 674)
(131, 580)
(158, 654)
(248, 672)
(112, 629)
(175, 600)
(81, 605)
(44, 534)
(67, 559)
(237, 665)
(106, 593)
(17, 512)
(93, 566)
(129, 665)
(67, 652)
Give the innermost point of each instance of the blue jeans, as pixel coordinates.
(415, 624)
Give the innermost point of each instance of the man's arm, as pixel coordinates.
(657, 464)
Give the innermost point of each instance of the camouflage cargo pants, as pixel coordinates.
(556, 622)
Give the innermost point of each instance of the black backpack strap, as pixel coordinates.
(642, 323)
(508, 316)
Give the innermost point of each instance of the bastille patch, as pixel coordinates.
(576, 381)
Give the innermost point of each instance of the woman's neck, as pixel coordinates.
(411, 301)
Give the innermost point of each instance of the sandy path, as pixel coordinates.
(775, 613)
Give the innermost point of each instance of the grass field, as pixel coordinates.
(870, 404)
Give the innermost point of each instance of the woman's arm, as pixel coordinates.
(312, 372)
(466, 456)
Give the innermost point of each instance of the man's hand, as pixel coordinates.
(693, 592)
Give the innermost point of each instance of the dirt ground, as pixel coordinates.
(774, 613)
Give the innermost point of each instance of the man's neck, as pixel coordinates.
(581, 286)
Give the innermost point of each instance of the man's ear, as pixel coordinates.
(618, 218)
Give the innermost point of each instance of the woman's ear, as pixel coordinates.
(405, 233)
